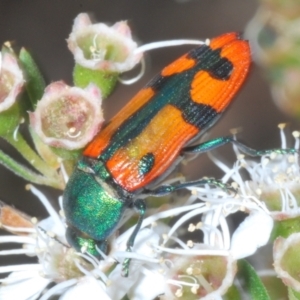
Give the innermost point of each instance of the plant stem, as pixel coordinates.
(26, 173)
(49, 174)
(19, 143)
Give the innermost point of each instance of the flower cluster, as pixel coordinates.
(163, 261)
(61, 117)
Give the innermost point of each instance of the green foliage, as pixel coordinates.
(251, 281)
(35, 83)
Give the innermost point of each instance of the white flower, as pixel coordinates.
(68, 117)
(156, 269)
(191, 268)
(274, 180)
(163, 263)
(11, 80)
(87, 287)
(31, 279)
(73, 274)
(100, 47)
(151, 268)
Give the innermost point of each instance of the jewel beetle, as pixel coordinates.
(132, 154)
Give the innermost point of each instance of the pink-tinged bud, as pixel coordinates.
(11, 80)
(68, 117)
(100, 47)
(287, 260)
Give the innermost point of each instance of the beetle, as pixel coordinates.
(132, 154)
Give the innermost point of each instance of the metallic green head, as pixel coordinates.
(92, 207)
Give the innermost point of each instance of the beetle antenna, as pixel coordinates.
(52, 236)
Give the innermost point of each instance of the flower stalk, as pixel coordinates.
(20, 144)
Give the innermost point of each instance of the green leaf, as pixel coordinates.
(293, 295)
(35, 83)
(10, 120)
(106, 81)
(251, 282)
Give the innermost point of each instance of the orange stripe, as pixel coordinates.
(164, 136)
(101, 141)
(223, 40)
(181, 64)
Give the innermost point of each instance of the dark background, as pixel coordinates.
(42, 26)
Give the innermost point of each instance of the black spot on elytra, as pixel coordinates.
(173, 90)
(211, 61)
(146, 163)
(197, 114)
(222, 70)
(207, 59)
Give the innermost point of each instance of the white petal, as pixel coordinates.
(252, 233)
(23, 286)
(148, 287)
(81, 21)
(120, 285)
(144, 239)
(87, 288)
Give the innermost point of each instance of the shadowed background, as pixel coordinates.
(42, 27)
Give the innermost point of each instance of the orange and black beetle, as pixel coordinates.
(138, 146)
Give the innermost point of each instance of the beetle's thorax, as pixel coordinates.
(93, 203)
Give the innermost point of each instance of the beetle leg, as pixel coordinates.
(140, 206)
(167, 189)
(218, 142)
(208, 146)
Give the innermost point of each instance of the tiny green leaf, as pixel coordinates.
(251, 282)
(35, 83)
(10, 119)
